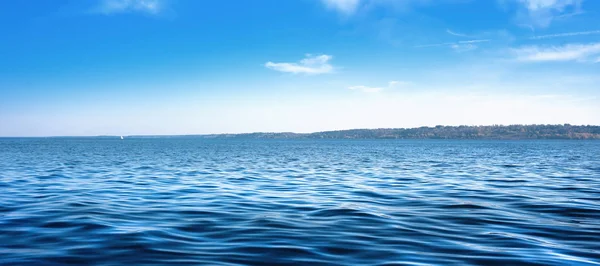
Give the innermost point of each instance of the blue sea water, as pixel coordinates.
(200, 201)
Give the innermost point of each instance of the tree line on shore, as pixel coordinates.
(565, 131)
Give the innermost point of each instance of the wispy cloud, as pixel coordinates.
(311, 64)
(566, 34)
(543, 4)
(475, 41)
(346, 7)
(152, 7)
(456, 34)
(463, 47)
(350, 7)
(569, 52)
(391, 84)
(468, 45)
(541, 13)
(460, 45)
(572, 14)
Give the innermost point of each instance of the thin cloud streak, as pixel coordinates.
(456, 34)
(463, 47)
(475, 41)
(309, 65)
(566, 34)
(452, 43)
(392, 84)
(569, 52)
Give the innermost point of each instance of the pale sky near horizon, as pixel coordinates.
(129, 67)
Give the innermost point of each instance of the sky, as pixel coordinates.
(154, 67)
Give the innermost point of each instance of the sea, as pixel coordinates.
(197, 201)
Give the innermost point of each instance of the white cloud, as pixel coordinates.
(450, 44)
(541, 13)
(566, 34)
(347, 7)
(121, 6)
(396, 83)
(569, 52)
(474, 41)
(391, 84)
(318, 64)
(461, 46)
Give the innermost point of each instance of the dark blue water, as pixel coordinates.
(325, 202)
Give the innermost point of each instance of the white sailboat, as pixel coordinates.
(121, 137)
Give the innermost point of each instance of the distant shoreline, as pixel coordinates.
(495, 132)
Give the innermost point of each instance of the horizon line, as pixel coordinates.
(289, 132)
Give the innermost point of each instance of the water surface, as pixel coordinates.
(313, 202)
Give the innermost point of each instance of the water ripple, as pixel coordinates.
(318, 202)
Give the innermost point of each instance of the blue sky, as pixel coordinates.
(121, 67)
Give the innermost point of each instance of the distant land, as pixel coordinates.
(511, 132)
